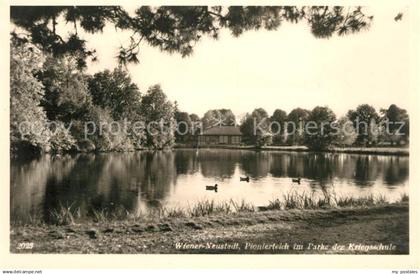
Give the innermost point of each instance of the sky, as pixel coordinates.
(285, 69)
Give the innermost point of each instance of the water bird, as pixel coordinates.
(398, 17)
(296, 180)
(244, 179)
(212, 187)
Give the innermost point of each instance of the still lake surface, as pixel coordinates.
(135, 181)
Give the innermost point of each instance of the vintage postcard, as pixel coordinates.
(212, 129)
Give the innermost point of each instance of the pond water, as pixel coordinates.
(140, 181)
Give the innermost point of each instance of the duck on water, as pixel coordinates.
(296, 180)
(212, 187)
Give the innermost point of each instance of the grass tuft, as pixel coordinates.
(66, 215)
(294, 200)
(404, 198)
(275, 204)
(242, 206)
(175, 212)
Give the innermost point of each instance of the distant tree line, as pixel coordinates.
(319, 128)
(190, 125)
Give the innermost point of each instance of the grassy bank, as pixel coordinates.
(69, 214)
(381, 229)
(229, 227)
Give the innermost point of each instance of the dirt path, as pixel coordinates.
(378, 230)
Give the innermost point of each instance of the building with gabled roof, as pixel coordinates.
(220, 135)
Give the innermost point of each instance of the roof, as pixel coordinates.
(223, 130)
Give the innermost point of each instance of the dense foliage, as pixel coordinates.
(320, 134)
(57, 107)
(28, 128)
(159, 118)
(218, 117)
(297, 117)
(256, 128)
(364, 119)
(279, 117)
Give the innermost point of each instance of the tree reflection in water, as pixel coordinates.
(140, 181)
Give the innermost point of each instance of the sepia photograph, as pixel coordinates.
(210, 129)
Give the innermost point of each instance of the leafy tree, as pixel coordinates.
(262, 127)
(320, 134)
(346, 133)
(61, 138)
(255, 128)
(229, 118)
(108, 134)
(159, 118)
(365, 120)
(247, 129)
(210, 119)
(295, 123)
(184, 127)
(28, 121)
(218, 117)
(76, 100)
(397, 124)
(196, 124)
(115, 91)
(194, 117)
(173, 28)
(66, 93)
(278, 120)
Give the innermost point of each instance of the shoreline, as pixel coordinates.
(397, 151)
(392, 151)
(320, 231)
